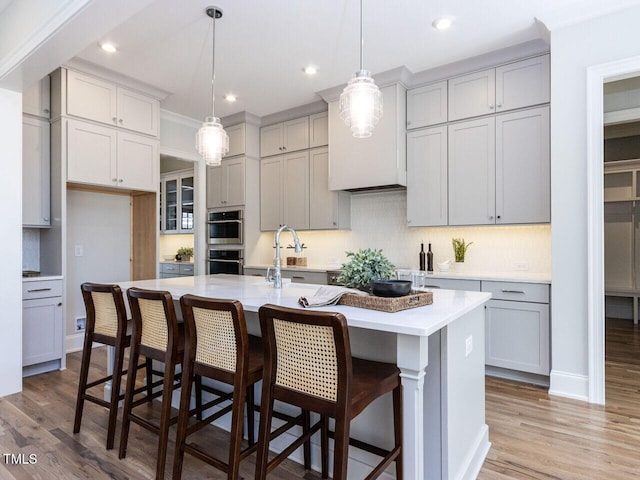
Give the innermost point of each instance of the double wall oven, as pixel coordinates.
(225, 237)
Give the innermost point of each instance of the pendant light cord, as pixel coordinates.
(361, 37)
(213, 64)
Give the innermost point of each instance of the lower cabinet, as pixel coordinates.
(296, 276)
(174, 269)
(42, 326)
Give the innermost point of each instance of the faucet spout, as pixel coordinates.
(277, 276)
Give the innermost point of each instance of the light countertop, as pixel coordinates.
(41, 278)
(253, 292)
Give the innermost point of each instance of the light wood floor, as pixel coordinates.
(533, 435)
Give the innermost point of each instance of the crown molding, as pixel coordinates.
(297, 112)
(173, 117)
(241, 117)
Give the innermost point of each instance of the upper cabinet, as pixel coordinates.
(319, 130)
(377, 161)
(427, 105)
(36, 183)
(328, 210)
(515, 85)
(104, 102)
(176, 202)
(36, 100)
(226, 183)
(284, 137)
(237, 136)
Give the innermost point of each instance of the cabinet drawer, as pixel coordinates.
(186, 269)
(522, 292)
(451, 284)
(41, 289)
(170, 268)
(318, 278)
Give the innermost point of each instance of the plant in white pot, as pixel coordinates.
(459, 251)
(185, 254)
(366, 265)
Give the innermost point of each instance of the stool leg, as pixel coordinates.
(251, 401)
(134, 355)
(306, 426)
(324, 446)
(165, 415)
(148, 363)
(264, 431)
(237, 420)
(183, 419)
(82, 381)
(198, 381)
(341, 447)
(115, 393)
(397, 428)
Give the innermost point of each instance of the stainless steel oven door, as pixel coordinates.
(226, 261)
(225, 228)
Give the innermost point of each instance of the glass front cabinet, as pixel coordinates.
(176, 202)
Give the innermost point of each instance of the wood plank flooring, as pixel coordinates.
(533, 435)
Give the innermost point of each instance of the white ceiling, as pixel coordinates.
(262, 46)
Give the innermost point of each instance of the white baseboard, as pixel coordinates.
(478, 455)
(569, 385)
(75, 342)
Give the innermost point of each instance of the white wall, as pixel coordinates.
(100, 224)
(379, 220)
(573, 50)
(11, 242)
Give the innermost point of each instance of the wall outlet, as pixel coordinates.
(81, 324)
(521, 266)
(468, 346)
(79, 250)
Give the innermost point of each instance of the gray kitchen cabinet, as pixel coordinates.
(517, 327)
(499, 169)
(327, 210)
(319, 130)
(514, 85)
(284, 191)
(427, 105)
(42, 326)
(296, 275)
(177, 194)
(95, 99)
(284, 137)
(36, 178)
(472, 172)
(36, 99)
(104, 156)
(237, 140)
(427, 165)
(377, 161)
(175, 269)
(226, 183)
(430, 282)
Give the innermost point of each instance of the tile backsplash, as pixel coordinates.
(379, 220)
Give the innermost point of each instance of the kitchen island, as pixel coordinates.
(439, 349)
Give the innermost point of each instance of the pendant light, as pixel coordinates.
(212, 141)
(361, 100)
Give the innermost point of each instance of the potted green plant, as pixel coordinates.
(365, 265)
(459, 251)
(185, 254)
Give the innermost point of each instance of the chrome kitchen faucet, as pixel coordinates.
(276, 279)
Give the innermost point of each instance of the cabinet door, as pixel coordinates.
(234, 182)
(472, 95)
(186, 204)
(91, 154)
(271, 193)
(171, 204)
(319, 130)
(138, 162)
(91, 98)
(517, 336)
(36, 99)
(41, 330)
(236, 140)
(36, 178)
(138, 112)
(523, 190)
(215, 195)
(427, 177)
(427, 105)
(271, 142)
(295, 202)
(295, 134)
(522, 84)
(472, 172)
(323, 204)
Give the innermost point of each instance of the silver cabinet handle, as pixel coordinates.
(408, 123)
(491, 106)
(499, 105)
(490, 217)
(114, 179)
(46, 110)
(46, 219)
(297, 277)
(115, 120)
(513, 291)
(120, 121)
(120, 180)
(432, 286)
(59, 304)
(38, 290)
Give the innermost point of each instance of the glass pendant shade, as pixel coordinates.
(212, 141)
(361, 104)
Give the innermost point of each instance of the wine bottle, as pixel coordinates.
(422, 256)
(429, 260)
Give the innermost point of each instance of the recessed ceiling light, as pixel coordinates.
(108, 47)
(230, 97)
(310, 70)
(442, 23)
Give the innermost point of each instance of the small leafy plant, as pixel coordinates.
(185, 252)
(365, 265)
(460, 248)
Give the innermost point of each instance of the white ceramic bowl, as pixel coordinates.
(444, 266)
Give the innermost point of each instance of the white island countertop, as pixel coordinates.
(253, 292)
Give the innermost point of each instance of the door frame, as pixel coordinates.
(596, 77)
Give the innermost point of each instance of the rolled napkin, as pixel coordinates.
(327, 295)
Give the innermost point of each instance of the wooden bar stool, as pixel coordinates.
(308, 363)
(156, 335)
(106, 323)
(218, 347)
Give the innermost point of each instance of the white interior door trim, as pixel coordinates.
(596, 76)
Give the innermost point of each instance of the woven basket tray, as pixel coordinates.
(387, 304)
